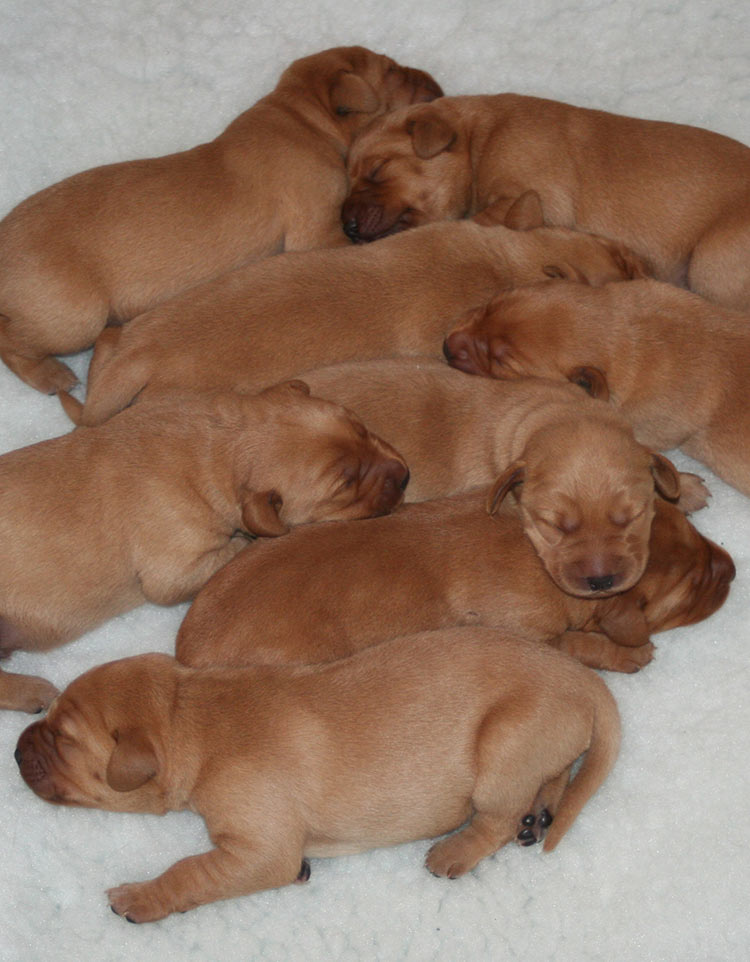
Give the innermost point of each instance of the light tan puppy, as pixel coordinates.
(149, 506)
(457, 433)
(434, 565)
(678, 196)
(287, 314)
(676, 365)
(406, 740)
(111, 242)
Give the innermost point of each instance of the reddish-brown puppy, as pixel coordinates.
(268, 321)
(676, 365)
(328, 590)
(406, 740)
(109, 243)
(677, 195)
(150, 505)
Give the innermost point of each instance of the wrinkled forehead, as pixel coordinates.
(589, 461)
(386, 134)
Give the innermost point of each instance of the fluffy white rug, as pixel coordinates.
(657, 868)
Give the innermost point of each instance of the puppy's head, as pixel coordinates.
(530, 331)
(100, 744)
(585, 490)
(319, 463)
(354, 85)
(687, 578)
(408, 168)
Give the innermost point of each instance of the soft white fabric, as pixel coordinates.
(658, 865)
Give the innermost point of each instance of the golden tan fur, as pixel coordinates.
(150, 505)
(409, 739)
(326, 591)
(678, 196)
(107, 244)
(677, 366)
(268, 321)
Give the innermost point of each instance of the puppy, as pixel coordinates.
(268, 321)
(434, 565)
(406, 740)
(109, 243)
(676, 365)
(456, 433)
(149, 506)
(677, 195)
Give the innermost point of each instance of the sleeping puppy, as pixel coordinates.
(457, 433)
(149, 506)
(109, 243)
(433, 565)
(272, 320)
(461, 729)
(676, 365)
(678, 196)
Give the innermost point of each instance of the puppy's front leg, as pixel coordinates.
(224, 872)
(597, 651)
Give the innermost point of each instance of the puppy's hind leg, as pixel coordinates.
(39, 370)
(510, 772)
(25, 693)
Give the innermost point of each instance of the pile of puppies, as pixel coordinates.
(441, 651)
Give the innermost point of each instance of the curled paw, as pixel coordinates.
(533, 828)
(136, 903)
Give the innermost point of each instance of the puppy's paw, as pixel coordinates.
(452, 857)
(631, 660)
(136, 902)
(533, 827)
(26, 693)
(694, 494)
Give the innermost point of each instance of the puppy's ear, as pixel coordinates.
(260, 513)
(592, 380)
(511, 476)
(666, 477)
(133, 761)
(622, 620)
(430, 135)
(526, 212)
(351, 94)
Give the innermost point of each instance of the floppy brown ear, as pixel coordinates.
(351, 94)
(260, 513)
(666, 477)
(526, 212)
(622, 620)
(133, 761)
(511, 476)
(592, 380)
(430, 135)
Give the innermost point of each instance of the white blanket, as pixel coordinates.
(658, 865)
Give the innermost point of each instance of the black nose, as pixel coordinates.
(350, 229)
(406, 480)
(18, 756)
(605, 583)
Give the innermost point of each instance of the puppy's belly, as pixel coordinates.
(395, 829)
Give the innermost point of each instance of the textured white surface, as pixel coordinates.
(658, 866)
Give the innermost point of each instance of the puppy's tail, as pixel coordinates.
(600, 757)
(116, 378)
